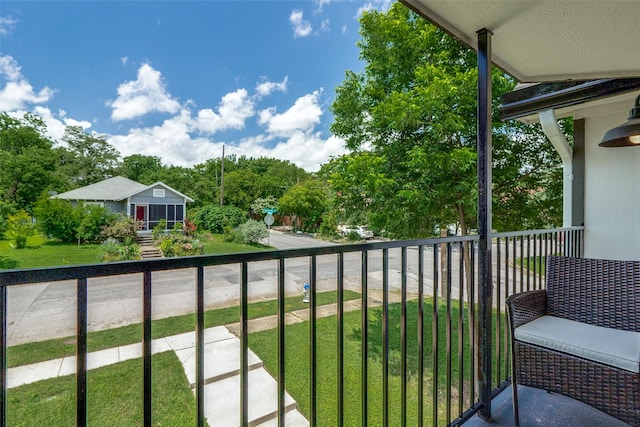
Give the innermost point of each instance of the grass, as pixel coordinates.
(23, 354)
(114, 397)
(217, 245)
(297, 366)
(41, 252)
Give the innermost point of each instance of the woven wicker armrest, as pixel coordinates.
(526, 306)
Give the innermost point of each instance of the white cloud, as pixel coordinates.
(303, 115)
(233, 110)
(266, 87)
(18, 92)
(289, 136)
(56, 124)
(381, 5)
(308, 151)
(301, 27)
(146, 94)
(324, 25)
(124, 60)
(7, 25)
(321, 4)
(171, 141)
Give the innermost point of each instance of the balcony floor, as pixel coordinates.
(540, 408)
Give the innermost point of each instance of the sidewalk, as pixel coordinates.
(222, 368)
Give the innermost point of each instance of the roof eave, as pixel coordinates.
(544, 96)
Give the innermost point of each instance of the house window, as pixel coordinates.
(156, 213)
(158, 192)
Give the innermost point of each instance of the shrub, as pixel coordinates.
(58, 219)
(190, 228)
(159, 229)
(233, 235)
(177, 244)
(93, 219)
(5, 210)
(253, 231)
(19, 227)
(250, 232)
(121, 229)
(216, 218)
(114, 250)
(329, 225)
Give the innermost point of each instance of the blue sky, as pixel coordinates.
(179, 79)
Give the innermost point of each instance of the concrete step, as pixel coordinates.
(291, 419)
(221, 361)
(150, 252)
(222, 400)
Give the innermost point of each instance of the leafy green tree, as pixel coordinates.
(58, 219)
(245, 179)
(178, 178)
(307, 201)
(27, 160)
(93, 219)
(409, 119)
(241, 188)
(261, 203)
(88, 158)
(218, 219)
(141, 168)
(19, 228)
(5, 210)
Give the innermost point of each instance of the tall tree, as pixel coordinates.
(410, 120)
(89, 158)
(27, 160)
(307, 201)
(141, 168)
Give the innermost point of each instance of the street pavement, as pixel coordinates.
(48, 310)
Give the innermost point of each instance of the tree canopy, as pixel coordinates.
(409, 118)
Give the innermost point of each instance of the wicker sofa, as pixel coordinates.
(581, 335)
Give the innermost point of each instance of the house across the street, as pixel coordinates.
(146, 203)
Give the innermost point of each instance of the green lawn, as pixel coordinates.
(41, 252)
(297, 365)
(114, 397)
(52, 349)
(217, 245)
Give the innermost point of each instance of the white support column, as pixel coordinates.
(551, 129)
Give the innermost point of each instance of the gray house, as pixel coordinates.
(147, 203)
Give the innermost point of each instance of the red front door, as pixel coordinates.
(140, 216)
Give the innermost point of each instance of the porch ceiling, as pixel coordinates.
(547, 40)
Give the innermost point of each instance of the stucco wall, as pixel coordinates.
(612, 194)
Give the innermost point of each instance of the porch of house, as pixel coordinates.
(543, 409)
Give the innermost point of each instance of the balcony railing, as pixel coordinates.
(436, 278)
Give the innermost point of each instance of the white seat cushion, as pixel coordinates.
(611, 347)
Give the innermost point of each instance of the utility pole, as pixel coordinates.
(222, 178)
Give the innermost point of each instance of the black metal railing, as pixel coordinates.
(439, 276)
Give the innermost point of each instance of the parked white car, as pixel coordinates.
(361, 230)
